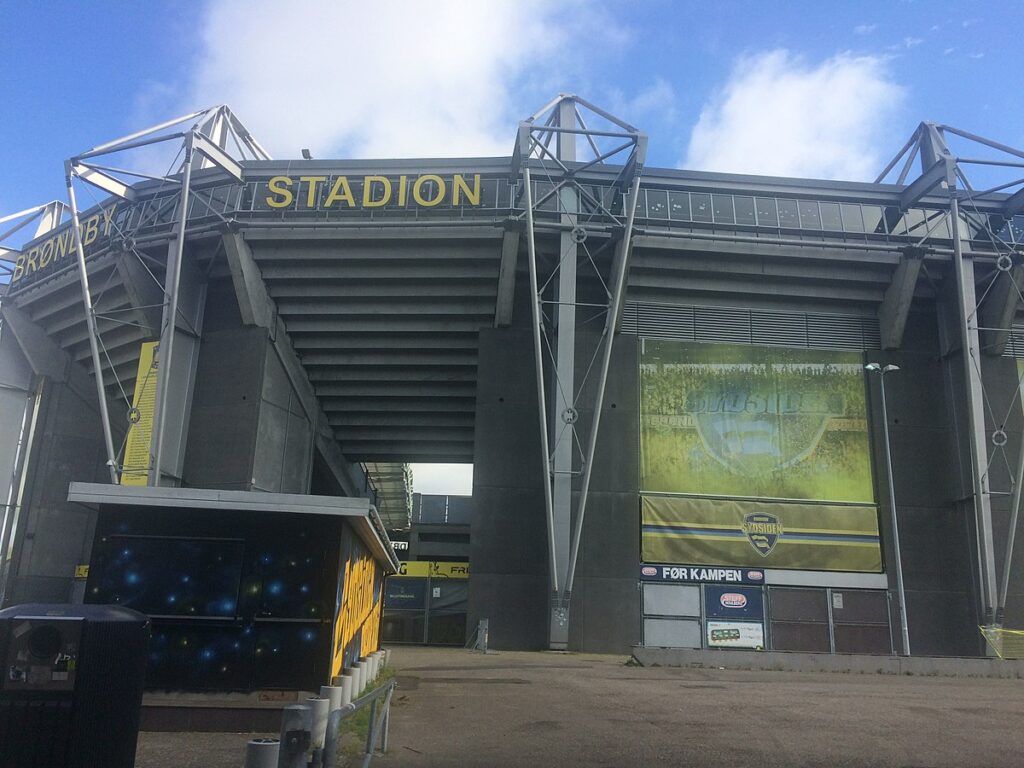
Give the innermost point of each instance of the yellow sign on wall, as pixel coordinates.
(135, 470)
(434, 568)
(359, 608)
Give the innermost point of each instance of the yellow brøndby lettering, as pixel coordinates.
(54, 249)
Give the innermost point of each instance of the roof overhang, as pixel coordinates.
(358, 512)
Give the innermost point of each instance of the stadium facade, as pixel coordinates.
(658, 375)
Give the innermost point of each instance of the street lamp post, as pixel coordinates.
(901, 596)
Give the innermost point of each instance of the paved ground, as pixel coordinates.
(457, 708)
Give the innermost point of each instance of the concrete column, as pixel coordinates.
(333, 694)
(320, 709)
(348, 684)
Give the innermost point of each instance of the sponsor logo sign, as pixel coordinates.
(740, 603)
(735, 634)
(733, 600)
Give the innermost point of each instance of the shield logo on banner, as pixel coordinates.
(763, 531)
(756, 433)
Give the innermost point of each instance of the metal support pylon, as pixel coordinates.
(204, 139)
(573, 288)
(985, 321)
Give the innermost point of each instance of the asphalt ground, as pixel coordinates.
(460, 708)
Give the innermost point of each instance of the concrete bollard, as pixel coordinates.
(319, 708)
(387, 657)
(296, 724)
(333, 694)
(262, 753)
(360, 676)
(347, 684)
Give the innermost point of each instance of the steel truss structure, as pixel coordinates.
(546, 156)
(985, 321)
(204, 138)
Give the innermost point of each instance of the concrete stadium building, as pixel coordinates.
(658, 375)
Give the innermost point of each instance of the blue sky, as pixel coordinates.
(817, 89)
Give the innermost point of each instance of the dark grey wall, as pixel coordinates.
(53, 535)
(248, 431)
(508, 539)
(510, 583)
(934, 543)
(509, 556)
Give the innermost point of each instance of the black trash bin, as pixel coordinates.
(71, 687)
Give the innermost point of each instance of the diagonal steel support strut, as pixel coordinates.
(559, 298)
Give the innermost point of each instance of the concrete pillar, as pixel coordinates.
(296, 725)
(320, 709)
(333, 694)
(348, 684)
(262, 753)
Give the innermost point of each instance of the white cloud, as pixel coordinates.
(450, 479)
(912, 42)
(387, 78)
(864, 29)
(779, 115)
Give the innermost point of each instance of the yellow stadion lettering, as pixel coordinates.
(403, 188)
(312, 188)
(460, 186)
(368, 183)
(340, 191)
(417, 190)
(280, 185)
(19, 269)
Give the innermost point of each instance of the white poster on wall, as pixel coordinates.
(735, 634)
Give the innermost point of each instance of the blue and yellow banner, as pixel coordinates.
(755, 534)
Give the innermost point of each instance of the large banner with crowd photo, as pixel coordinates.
(756, 456)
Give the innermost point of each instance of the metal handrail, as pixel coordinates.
(299, 748)
(379, 724)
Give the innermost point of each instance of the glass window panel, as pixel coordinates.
(809, 216)
(767, 212)
(895, 221)
(744, 210)
(722, 205)
(915, 222)
(657, 203)
(701, 204)
(788, 216)
(1017, 227)
(852, 221)
(679, 205)
(873, 221)
(937, 222)
(830, 218)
